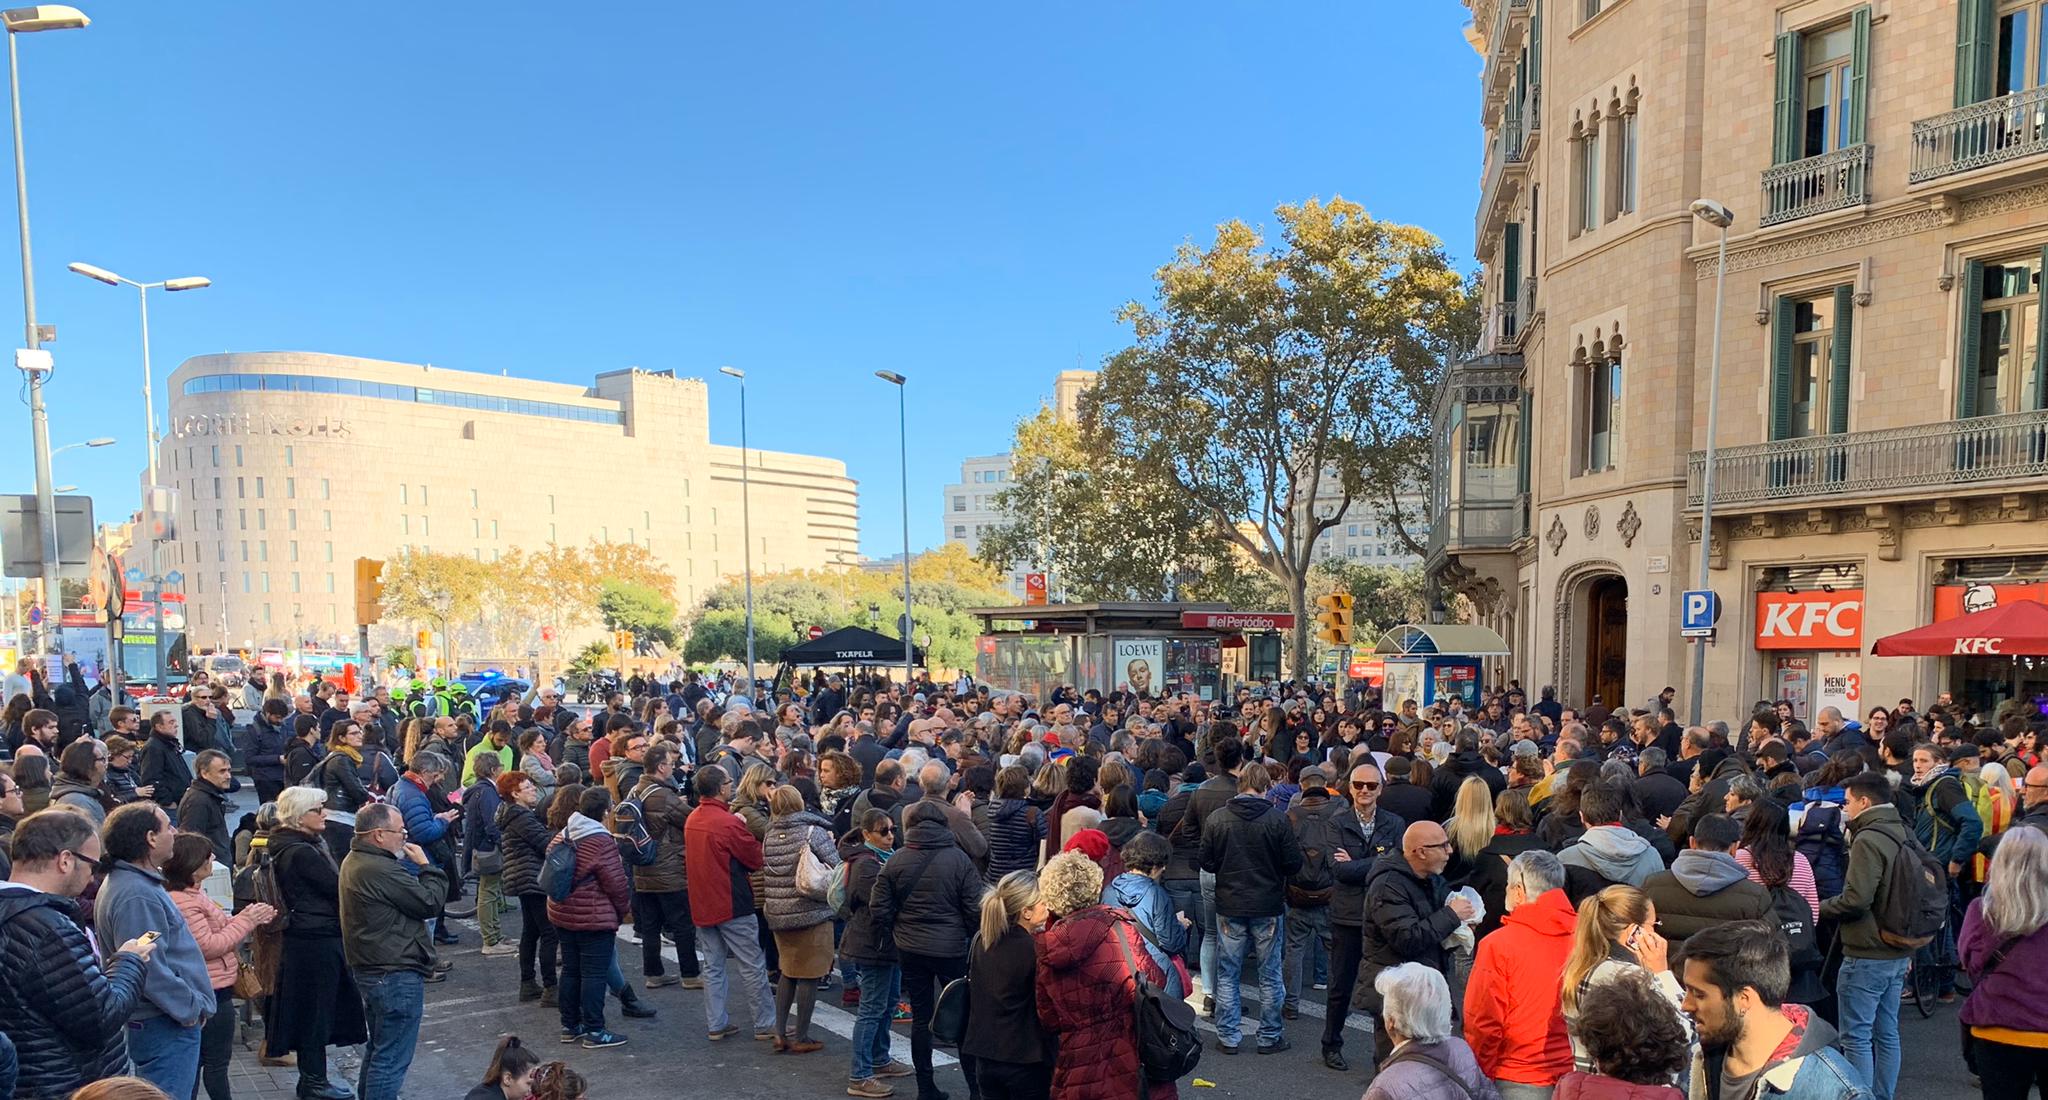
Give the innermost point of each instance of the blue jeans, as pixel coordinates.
(392, 1004)
(1206, 924)
(737, 941)
(879, 988)
(1867, 996)
(1308, 944)
(1186, 895)
(588, 962)
(1236, 936)
(165, 1053)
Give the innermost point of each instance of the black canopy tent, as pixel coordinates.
(850, 646)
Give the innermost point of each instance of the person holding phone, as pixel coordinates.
(1616, 934)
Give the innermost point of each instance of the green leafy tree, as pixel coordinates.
(638, 607)
(1102, 529)
(1274, 385)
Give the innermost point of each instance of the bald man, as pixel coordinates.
(934, 779)
(2034, 807)
(1408, 915)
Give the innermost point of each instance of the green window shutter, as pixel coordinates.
(1536, 42)
(1966, 354)
(1522, 473)
(1781, 368)
(1511, 262)
(2041, 334)
(1976, 39)
(1838, 367)
(1785, 115)
(1859, 74)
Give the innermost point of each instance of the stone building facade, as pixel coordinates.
(1881, 433)
(291, 465)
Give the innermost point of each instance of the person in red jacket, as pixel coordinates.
(719, 853)
(1513, 1021)
(587, 922)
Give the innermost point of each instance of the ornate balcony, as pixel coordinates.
(1983, 452)
(2009, 128)
(1816, 185)
(1503, 45)
(1506, 167)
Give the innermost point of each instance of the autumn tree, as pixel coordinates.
(1275, 385)
(637, 607)
(438, 590)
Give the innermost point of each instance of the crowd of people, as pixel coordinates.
(1516, 900)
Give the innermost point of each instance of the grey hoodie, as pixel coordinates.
(1705, 873)
(1615, 853)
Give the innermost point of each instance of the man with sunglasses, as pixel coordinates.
(1365, 833)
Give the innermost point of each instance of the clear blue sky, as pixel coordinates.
(810, 191)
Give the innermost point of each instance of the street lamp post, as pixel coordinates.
(903, 454)
(44, 17)
(149, 505)
(1715, 214)
(746, 524)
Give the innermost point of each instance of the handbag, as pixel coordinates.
(249, 983)
(1169, 1047)
(949, 1015)
(813, 876)
(488, 863)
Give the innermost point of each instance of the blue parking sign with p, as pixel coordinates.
(1699, 609)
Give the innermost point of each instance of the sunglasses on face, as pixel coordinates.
(1364, 785)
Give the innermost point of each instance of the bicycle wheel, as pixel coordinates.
(1924, 980)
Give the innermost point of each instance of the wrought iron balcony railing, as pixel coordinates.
(1956, 454)
(1992, 132)
(1816, 185)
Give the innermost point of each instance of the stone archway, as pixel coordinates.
(1576, 629)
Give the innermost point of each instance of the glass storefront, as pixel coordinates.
(1965, 586)
(1809, 637)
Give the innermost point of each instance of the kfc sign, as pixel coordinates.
(1809, 620)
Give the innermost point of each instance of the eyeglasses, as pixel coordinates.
(1443, 847)
(1364, 785)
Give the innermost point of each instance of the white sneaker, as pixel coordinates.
(498, 949)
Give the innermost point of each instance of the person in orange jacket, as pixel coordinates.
(1513, 1021)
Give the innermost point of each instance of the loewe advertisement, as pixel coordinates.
(1141, 664)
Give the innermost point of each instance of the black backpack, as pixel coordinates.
(1169, 1047)
(1313, 885)
(1821, 841)
(1913, 905)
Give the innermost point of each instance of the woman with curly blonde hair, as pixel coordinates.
(1085, 960)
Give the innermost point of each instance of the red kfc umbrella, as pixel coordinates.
(2018, 629)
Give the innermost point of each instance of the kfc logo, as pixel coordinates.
(1809, 620)
(1979, 597)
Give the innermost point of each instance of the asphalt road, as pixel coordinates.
(466, 1015)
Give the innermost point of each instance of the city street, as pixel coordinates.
(467, 1013)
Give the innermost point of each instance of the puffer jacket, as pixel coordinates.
(1147, 903)
(1015, 829)
(1084, 1000)
(859, 944)
(1412, 1080)
(1702, 889)
(786, 908)
(524, 842)
(67, 1018)
(602, 896)
(217, 934)
(933, 915)
(1593, 1086)
(1405, 920)
(1252, 850)
(668, 815)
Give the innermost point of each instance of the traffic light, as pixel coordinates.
(369, 590)
(1333, 618)
(622, 640)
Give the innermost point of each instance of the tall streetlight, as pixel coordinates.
(42, 17)
(151, 495)
(746, 524)
(903, 435)
(1714, 214)
(189, 282)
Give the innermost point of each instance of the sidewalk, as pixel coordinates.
(249, 1078)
